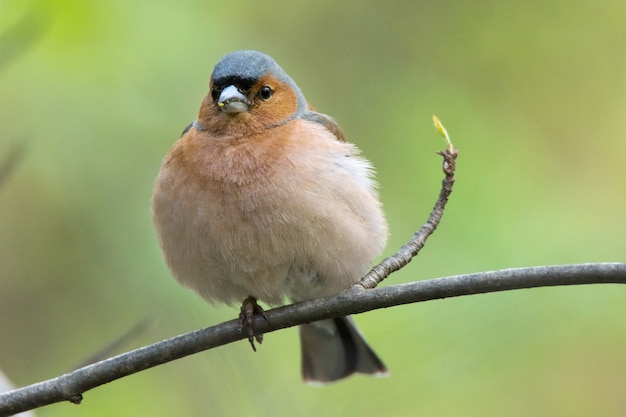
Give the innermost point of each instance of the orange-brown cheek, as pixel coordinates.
(207, 109)
(282, 105)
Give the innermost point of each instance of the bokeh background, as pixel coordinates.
(92, 95)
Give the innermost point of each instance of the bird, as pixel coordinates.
(262, 199)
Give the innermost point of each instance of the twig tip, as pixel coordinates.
(443, 132)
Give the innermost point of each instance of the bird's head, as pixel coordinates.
(249, 92)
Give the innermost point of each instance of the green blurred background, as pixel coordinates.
(533, 93)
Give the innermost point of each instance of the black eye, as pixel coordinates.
(215, 94)
(265, 92)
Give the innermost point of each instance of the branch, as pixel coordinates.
(360, 298)
(71, 386)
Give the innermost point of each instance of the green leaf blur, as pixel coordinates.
(532, 93)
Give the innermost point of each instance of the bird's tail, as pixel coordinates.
(334, 349)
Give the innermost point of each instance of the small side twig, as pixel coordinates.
(407, 252)
(117, 344)
(10, 162)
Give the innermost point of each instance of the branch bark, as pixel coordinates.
(360, 298)
(71, 386)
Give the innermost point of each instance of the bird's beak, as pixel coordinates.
(232, 100)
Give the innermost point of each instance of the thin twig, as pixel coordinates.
(407, 252)
(116, 345)
(10, 162)
(71, 386)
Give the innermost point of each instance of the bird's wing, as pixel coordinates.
(325, 121)
(186, 129)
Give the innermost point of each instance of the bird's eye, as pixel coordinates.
(265, 92)
(215, 94)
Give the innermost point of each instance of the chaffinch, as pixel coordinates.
(262, 198)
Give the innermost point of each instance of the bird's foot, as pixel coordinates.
(250, 308)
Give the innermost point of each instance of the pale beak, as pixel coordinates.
(232, 100)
